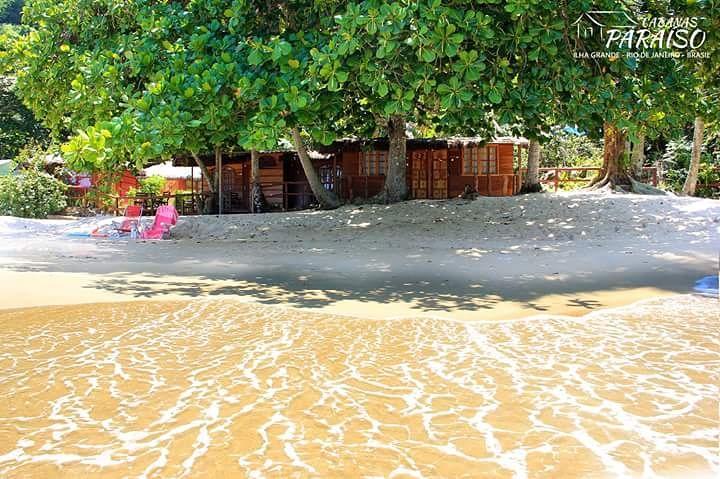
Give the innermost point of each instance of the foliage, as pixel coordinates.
(416, 60)
(675, 164)
(151, 185)
(571, 150)
(10, 11)
(31, 193)
(138, 80)
(18, 125)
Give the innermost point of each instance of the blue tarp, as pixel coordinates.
(707, 286)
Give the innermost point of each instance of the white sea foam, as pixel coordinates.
(255, 391)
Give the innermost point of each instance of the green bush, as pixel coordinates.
(565, 149)
(709, 174)
(676, 163)
(152, 185)
(31, 193)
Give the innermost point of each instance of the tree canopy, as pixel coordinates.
(132, 81)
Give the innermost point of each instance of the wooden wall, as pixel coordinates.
(505, 159)
(502, 183)
(175, 184)
(126, 181)
(271, 178)
(354, 185)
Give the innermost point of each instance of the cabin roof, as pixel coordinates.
(170, 172)
(419, 143)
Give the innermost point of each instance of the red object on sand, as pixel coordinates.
(165, 218)
(132, 215)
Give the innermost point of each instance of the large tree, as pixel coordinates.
(146, 80)
(657, 94)
(418, 63)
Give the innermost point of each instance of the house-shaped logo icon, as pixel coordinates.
(596, 22)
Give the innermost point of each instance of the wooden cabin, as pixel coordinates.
(281, 177)
(436, 169)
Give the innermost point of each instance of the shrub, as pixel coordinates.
(152, 185)
(567, 149)
(676, 163)
(31, 193)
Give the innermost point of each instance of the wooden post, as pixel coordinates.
(557, 179)
(218, 177)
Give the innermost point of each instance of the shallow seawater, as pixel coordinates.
(215, 388)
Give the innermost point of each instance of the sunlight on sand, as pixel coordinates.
(214, 388)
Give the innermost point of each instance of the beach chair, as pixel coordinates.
(132, 216)
(165, 218)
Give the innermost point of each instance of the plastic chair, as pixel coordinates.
(132, 216)
(165, 218)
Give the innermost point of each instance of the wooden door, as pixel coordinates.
(419, 166)
(228, 188)
(439, 174)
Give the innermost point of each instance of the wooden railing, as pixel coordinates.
(185, 203)
(281, 193)
(563, 175)
(277, 193)
(78, 195)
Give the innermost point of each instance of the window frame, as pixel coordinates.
(373, 163)
(479, 160)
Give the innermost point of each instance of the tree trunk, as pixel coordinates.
(218, 179)
(257, 198)
(531, 182)
(395, 188)
(205, 172)
(327, 199)
(638, 156)
(691, 180)
(613, 173)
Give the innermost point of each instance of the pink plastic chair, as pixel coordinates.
(165, 218)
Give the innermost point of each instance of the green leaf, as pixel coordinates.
(322, 136)
(255, 57)
(382, 89)
(391, 107)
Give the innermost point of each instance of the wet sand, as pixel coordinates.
(218, 388)
(34, 289)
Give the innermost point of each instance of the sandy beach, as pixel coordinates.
(492, 258)
(543, 336)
